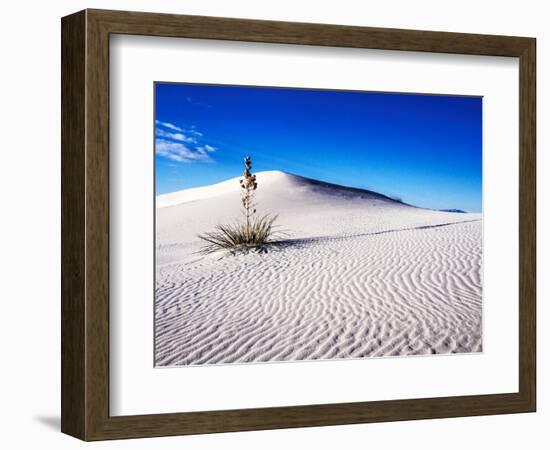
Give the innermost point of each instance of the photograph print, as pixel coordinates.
(298, 224)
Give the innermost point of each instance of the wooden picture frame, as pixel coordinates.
(85, 224)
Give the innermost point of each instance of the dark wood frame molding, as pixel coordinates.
(85, 224)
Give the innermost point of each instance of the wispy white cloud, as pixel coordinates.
(192, 101)
(181, 144)
(169, 125)
(176, 136)
(180, 152)
(194, 132)
(207, 148)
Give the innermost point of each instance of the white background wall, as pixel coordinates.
(30, 228)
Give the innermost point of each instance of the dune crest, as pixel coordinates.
(271, 180)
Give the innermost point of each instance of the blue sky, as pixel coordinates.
(424, 149)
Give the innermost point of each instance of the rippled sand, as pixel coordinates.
(360, 276)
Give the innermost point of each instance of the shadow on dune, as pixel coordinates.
(303, 242)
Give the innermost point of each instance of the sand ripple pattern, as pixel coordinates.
(389, 292)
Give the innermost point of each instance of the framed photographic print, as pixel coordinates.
(270, 224)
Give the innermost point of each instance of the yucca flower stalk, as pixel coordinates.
(248, 186)
(256, 233)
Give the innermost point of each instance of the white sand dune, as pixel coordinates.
(360, 275)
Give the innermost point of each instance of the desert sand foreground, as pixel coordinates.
(361, 275)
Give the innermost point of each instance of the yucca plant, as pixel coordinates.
(254, 234)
